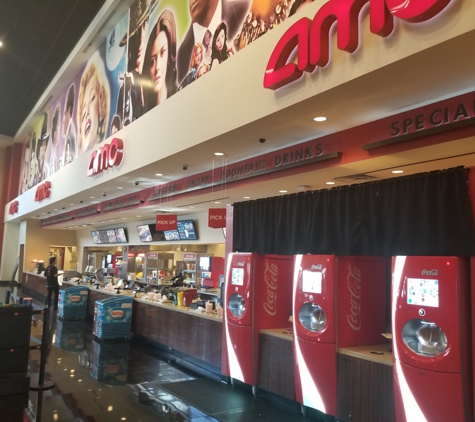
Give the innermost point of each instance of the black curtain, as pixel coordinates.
(422, 214)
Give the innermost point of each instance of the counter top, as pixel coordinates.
(377, 353)
(141, 297)
(283, 333)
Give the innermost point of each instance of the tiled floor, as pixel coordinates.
(120, 381)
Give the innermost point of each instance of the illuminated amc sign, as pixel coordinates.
(43, 191)
(13, 209)
(313, 37)
(109, 155)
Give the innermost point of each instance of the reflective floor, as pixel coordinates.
(118, 381)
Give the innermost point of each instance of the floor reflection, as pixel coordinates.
(103, 380)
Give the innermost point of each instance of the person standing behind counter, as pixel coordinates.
(52, 284)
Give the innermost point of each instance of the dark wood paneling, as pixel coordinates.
(276, 366)
(365, 391)
(35, 283)
(190, 334)
(91, 300)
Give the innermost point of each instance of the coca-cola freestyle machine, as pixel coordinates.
(430, 314)
(337, 302)
(258, 296)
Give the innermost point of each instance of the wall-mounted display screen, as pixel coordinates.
(186, 229)
(109, 236)
(171, 235)
(147, 233)
(205, 263)
(144, 232)
(237, 276)
(422, 291)
(311, 281)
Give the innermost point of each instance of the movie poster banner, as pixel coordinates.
(157, 49)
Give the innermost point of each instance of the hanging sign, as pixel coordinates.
(217, 218)
(166, 222)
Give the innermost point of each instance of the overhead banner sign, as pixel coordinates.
(217, 218)
(166, 222)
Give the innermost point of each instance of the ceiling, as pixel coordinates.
(37, 36)
(415, 81)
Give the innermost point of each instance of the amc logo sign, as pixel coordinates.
(43, 191)
(313, 37)
(13, 209)
(109, 155)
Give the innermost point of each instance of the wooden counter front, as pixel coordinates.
(197, 335)
(365, 384)
(34, 285)
(276, 364)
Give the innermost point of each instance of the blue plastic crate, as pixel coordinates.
(113, 317)
(72, 303)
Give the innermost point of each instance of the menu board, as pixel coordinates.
(109, 236)
(422, 291)
(237, 276)
(186, 229)
(171, 235)
(312, 281)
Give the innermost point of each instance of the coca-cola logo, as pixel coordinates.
(353, 283)
(316, 267)
(240, 264)
(430, 272)
(270, 277)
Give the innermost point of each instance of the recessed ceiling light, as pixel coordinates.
(320, 119)
(56, 209)
(246, 197)
(158, 174)
(219, 153)
(124, 218)
(283, 191)
(1, 43)
(93, 197)
(120, 187)
(71, 204)
(139, 216)
(397, 171)
(217, 202)
(330, 183)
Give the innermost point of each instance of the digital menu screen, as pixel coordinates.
(111, 236)
(186, 229)
(422, 291)
(237, 276)
(311, 281)
(171, 235)
(120, 235)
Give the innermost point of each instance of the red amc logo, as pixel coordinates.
(313, 37)
(109, 155)
(43, 191)
(14, 206)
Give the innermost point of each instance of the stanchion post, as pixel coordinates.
(42, 385)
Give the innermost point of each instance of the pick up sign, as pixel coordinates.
(217, 218)
(166, 222)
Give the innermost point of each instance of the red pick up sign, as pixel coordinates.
(217, 217)
(166, 222)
